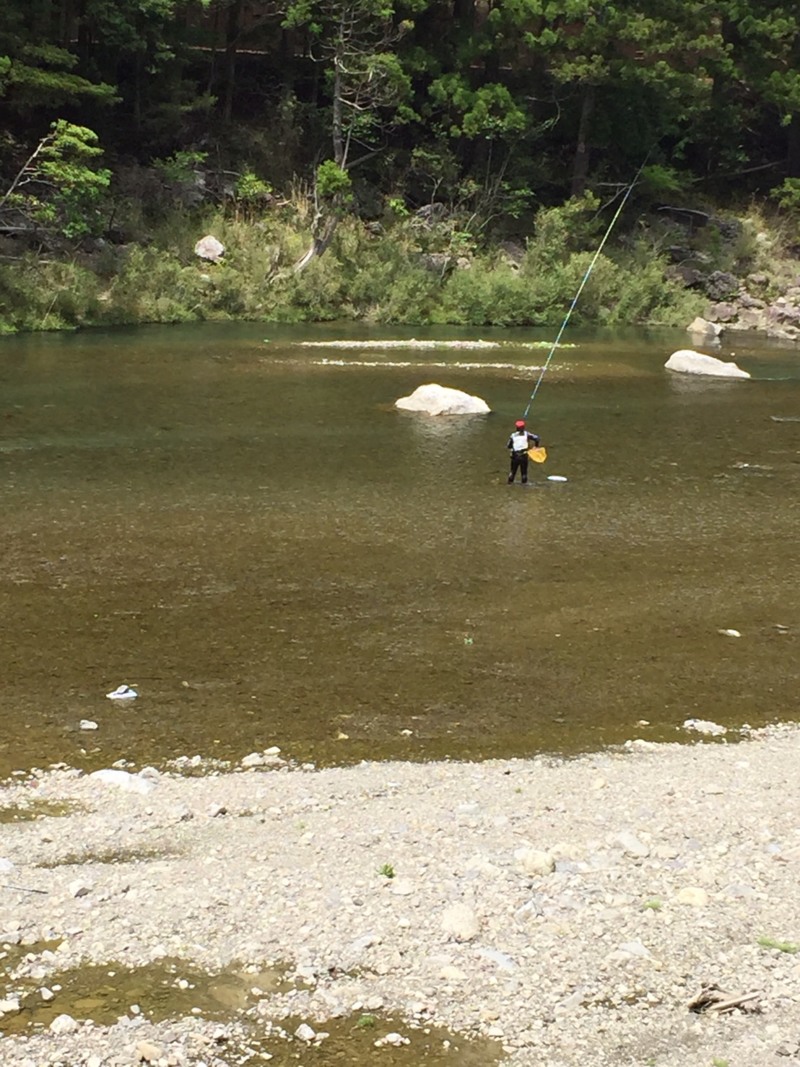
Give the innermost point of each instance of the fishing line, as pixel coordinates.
(584, 280)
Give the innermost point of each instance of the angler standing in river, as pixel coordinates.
(518, 444)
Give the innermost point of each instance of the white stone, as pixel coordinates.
(11, 1006)
(460, 922)
(88, 724)
(700, 325)
(129, 783)
(704, 726)
(632, 845)
(393, 1039)
(5, 865)
(305, 1033)
(534, 861)
(693, 895)
(46, 994)
(78, 888)
(687, 361)
(146, 1052)
(255, 759)
(209, 248)
(435, 399)
(63, 1024)
(729, 633)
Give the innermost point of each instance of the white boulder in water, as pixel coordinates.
(439, 400)
(687, 361)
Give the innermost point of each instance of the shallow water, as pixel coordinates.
(252, 535)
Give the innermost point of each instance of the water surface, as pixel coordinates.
(251, 534)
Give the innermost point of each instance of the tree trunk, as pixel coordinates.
(793, 148)
(337, 121)
(319, 243)
(231, 36)
(580, 165)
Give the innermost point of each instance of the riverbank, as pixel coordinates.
(567, 911)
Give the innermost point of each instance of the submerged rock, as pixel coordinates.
(687, 361)
(440, 400)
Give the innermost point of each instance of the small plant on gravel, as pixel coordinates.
(366, 1022)
(653, 905)
(387, 870)
(781, 946)
(717, 1062)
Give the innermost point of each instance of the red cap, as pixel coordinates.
(520, 424)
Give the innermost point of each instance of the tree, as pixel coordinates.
(366, 87)
(58, 188)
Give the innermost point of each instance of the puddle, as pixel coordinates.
(39, 809)
(171, 989)
(360, 1041)
(167, 989)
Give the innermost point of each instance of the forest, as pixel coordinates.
(390, 160)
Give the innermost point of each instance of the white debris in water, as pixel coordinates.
(414, 343)
(556, 478)
(703, 726)
(435, 399)
(88, 724)
(122, 692)
(729, 633)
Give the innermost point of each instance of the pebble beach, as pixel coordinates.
(639, 906)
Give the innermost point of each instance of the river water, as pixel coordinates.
(246, 530)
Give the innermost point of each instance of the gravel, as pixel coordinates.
(568, 910)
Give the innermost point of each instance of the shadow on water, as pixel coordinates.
(270, 553)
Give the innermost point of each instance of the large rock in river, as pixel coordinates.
(439, 400)
(687, 361)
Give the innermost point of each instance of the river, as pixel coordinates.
(247, 531)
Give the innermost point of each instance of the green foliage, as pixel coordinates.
(250, 188)
(658, 181)
(561, 230)
(181, 166)
(59, 188)
(386, 870)
(787, 196)
(47, 296)
(332, 181)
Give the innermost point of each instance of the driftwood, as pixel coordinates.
(714, 999)
(22, 889)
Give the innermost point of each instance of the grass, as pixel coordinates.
(387, 870)
(781, 946)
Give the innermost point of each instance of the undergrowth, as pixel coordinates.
(398, 273)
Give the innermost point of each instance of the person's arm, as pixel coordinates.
(535, 438)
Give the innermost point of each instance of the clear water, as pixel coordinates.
(253, 536)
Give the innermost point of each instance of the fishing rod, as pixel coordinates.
(584, 280)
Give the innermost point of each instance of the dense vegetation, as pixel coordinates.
(396, 160)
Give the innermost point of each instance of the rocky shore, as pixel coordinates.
(631, 907)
